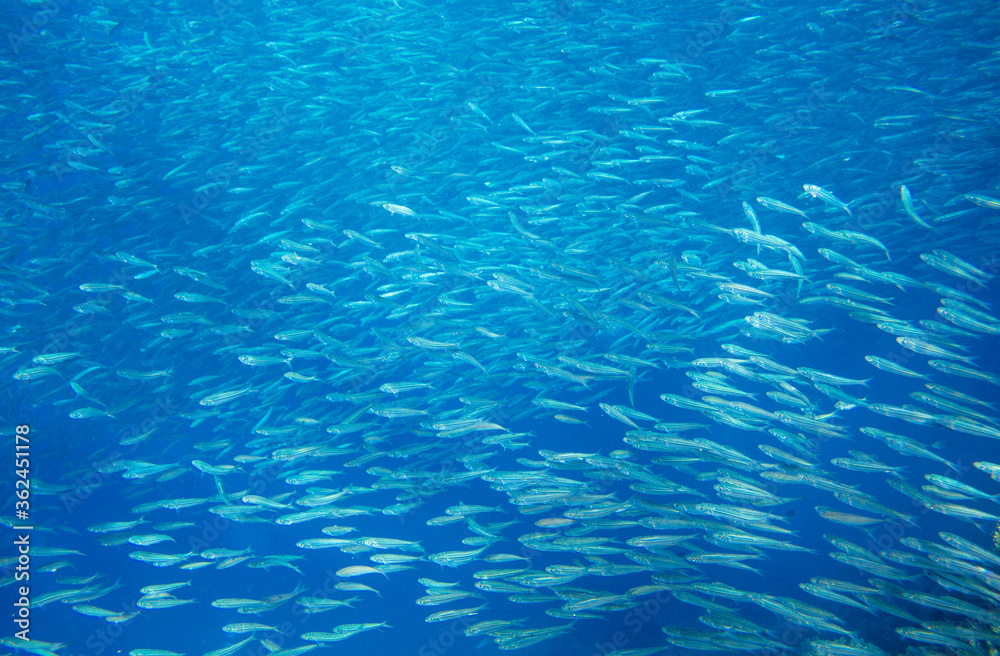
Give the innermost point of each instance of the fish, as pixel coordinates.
(544, 297)
(827, 197)
(359, 570)
(910, 209)
(779, 206)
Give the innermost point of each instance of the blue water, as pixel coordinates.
(398, 157)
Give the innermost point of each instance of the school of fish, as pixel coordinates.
(337, 280)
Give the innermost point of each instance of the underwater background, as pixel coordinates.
(580, 327)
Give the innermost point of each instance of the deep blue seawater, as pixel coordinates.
(489, 198)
